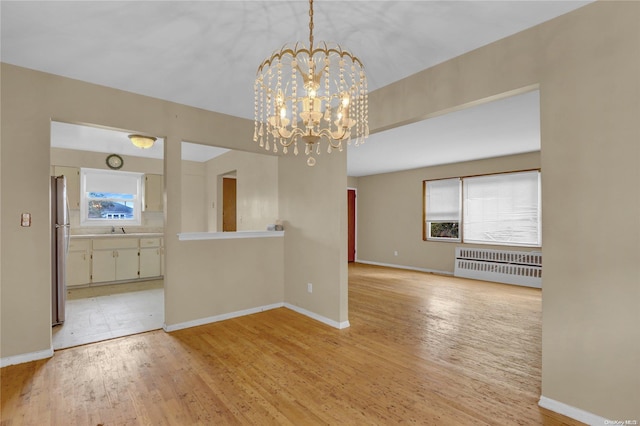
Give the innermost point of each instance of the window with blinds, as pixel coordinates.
(110, 198)
(442, 209)
(501, 209)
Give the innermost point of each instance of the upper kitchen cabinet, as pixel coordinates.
(72, 175)
(153, 195)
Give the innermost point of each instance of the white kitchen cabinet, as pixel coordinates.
(150, 259)
(72, 175)
(153, 193)
(115, 259)
(103, 266)
(127, 264)
(79, 263)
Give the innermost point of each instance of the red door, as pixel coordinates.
(351, 212)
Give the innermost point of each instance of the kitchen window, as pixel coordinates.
(110, 198)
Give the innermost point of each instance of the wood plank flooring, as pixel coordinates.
(421, 349)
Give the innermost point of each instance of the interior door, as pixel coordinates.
(351, 211)
(228, 205)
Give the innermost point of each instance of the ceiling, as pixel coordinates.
(205, 54)
(97, 139)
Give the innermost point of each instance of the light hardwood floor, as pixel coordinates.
(421, 349)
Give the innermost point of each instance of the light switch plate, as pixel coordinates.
(25, 219)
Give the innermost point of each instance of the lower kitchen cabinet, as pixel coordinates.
(103, 260)
(103, 265)
(79, 263)
(150, 260)
(114, 259)
(127, 264)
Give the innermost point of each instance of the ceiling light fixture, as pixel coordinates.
(142, 141)
(311, 93)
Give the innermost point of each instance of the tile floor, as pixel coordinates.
(105, 312)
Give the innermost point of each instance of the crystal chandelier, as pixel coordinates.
(310, 93)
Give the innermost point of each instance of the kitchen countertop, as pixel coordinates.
(109, 235)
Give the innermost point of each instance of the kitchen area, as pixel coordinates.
(107, 277)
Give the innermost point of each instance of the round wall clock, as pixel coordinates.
(114, 161)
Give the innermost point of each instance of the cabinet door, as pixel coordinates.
(153, 193)
(78, 271)
(150, 262)
(127, 264)
(104, 266)
(73, 184)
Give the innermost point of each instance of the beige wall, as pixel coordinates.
(96, 160)
(256, 190)
(390, 213)
(202, 279)
(313, 204)
(193, 197)
(586, 65)
(222, 276)
(352, 182)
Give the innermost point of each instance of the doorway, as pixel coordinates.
(114, 282)
(351, 225)
(229, 223)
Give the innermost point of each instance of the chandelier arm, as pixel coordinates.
(335, 142)
(286, 141)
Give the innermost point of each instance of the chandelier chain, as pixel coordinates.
(310, 25)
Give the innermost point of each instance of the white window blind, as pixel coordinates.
(443, 200)
(96, 180)
(503, 209)
(109, 198)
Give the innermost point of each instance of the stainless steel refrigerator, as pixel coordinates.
(59, 247)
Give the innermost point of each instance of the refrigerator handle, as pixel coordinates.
(67, 223)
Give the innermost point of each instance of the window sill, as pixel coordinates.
(192, 236)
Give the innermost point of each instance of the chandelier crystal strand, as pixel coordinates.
(329, 106)
(255, 112)
(353, 100)
(261, 128)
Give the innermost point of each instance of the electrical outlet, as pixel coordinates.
(395, 252)
(310, 287)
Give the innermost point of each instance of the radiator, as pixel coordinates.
(502, 266)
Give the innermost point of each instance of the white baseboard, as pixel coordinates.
(573, 412)
(325, 320)
(31, 356)
(34, 356)
(236, 314)
(412, 268)
(221, 317)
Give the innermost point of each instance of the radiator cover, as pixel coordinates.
(502, 266)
